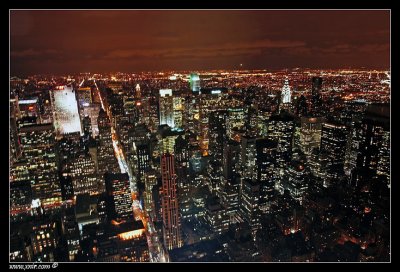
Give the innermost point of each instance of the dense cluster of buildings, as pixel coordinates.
(193, 167)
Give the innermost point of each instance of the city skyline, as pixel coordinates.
(199, 136)
(66, 41)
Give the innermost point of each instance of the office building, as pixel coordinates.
(107, 161)
(295, 180)
(38, 147)
(170, 207)
(310, 134)
(281, 129)
(166, 108)
(119, 195)
(334, 141)
(65, 110)
(267, 174)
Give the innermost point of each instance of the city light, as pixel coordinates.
(197, 146)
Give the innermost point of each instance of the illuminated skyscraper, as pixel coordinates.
(248, 157)
(143, 158)
(295, 180)
(333, 141)
(150, 180)
(266, 170)
(106, 158)
(235, 120)
(84, 175)
(250, 203)
(138, 94)
(231, 159)
(195, 83)
(281, 129)
(169, 204)
(217, 133)
(182, 171)
(286, 93)
(37, 142)
(93, 112)
(369, 142)
(310, 134)
(209, 101)
(119, 196)
(166, 108)
(178, 104)
(168, 137)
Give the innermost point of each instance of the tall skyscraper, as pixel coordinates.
(178, 107)
(84, 175)
(250, 203)
(217, 133)
(38, 147)
(93, 112)
(166, 108)
(168, 137)
(231, 159)
(334, 141)
(169, 204)
(248, 157)
(182, 170)
(369, 141)
(143, 158)
(286, 93)
(266, 170)
(235, 120)
(138, 94)
(150, 180)
(118, 196)
(295, 180)
(281, 130)
(310, 134)
(195, 83)
(106, 158)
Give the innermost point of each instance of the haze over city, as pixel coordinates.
(62, 41)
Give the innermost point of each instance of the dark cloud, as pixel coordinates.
(130, 41)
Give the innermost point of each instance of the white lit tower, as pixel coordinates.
(138, 94)
(286, 96)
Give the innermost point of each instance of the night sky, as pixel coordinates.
(58, 42)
